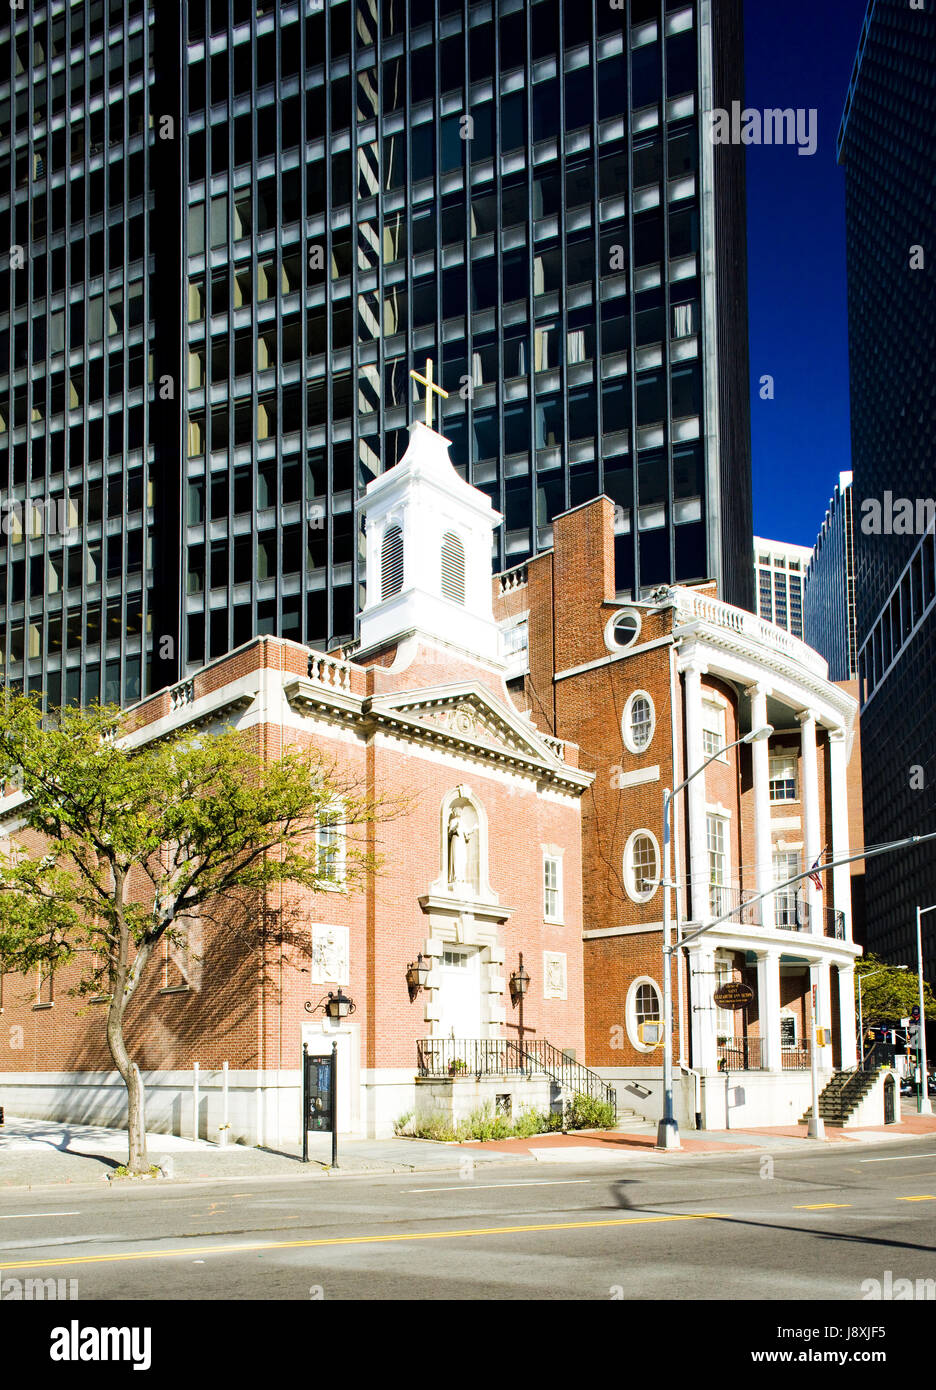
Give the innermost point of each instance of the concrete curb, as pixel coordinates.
(317, 1172)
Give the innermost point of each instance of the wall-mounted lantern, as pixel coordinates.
(519, 981)
(336, 1006)
(417, 975)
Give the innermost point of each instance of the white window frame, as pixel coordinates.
(785, 901)
(631, 1019)
(335, 877)
(627, 731)
(711, 736)
(775, 760)
(552, 860)
(610, 643)
(717, 843)
(630, 886)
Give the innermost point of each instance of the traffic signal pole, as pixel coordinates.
(923, 1101)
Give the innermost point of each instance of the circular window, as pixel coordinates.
(622, 629)
(641, 866)
(644, 1005)
(639, 722)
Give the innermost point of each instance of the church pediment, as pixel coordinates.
(468, 714)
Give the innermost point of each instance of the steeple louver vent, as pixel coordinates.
(391, 562)
(453, 568)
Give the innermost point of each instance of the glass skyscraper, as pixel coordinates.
(240, 226)
(887, 145)
(829, 587)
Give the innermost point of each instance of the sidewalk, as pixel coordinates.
(39, 1153)
(587, 1144)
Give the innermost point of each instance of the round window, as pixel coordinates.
(644, 1005)
(622, 629)
(641, 866)
(639, 722)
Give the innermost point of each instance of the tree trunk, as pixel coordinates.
(137, 1161)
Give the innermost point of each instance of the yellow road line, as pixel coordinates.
(926, 1197)
(355, 1240)
(821, 1206)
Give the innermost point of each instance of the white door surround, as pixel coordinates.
(459, 994)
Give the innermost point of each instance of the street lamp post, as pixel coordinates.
(923, 1101)
(668, 1129)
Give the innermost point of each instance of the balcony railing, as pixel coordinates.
(747, 1054)
(791, 911)
(695, 607)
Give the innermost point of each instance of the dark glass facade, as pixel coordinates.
(829, 588)
(888, 150)
(290, 205)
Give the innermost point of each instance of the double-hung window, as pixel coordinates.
(713, 728)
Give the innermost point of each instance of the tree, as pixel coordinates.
(121, 839)
(891, 994)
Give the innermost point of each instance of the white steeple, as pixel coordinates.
(429, 538)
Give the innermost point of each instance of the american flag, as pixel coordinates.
(814, 878)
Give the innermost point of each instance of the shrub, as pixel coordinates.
(483, 1123)
(587, 1113)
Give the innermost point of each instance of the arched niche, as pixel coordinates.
(463, 848)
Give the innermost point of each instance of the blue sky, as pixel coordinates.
(800, 54)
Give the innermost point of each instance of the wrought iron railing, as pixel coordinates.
(748, 1054)
(791, 911)
(508, 1057)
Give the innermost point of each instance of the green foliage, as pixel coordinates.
(137, 835)
(587, 1113)
(891, 994)
(483, 1123)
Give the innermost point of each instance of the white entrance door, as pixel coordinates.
(460, 992)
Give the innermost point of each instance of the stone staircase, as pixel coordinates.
(841, 1096)
(631, 1122)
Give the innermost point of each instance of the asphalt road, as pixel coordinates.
(767, 1227)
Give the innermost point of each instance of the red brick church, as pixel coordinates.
(531, 725)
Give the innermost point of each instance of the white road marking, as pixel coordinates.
(25, 1215)
(469, 1186)
(901, 1158)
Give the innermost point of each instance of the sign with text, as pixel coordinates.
(733, 995)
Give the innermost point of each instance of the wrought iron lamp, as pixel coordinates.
(519, 981)
(336, 1006)
(417, 975)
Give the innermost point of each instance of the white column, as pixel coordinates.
(768, 1008)
(760, 754)
(847, 1021)
(824, 1011)
(809, 776)
(841, 876)
(701, 989)
(698, 854)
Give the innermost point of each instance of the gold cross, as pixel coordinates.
(430, 387)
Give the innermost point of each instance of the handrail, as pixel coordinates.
(499, 1056)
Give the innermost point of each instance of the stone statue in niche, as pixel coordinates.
(463, 847)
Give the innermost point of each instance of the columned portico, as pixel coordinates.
(760, 754)
(768, 1008)
(811, 830)
(698, 860)
(841, 874)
